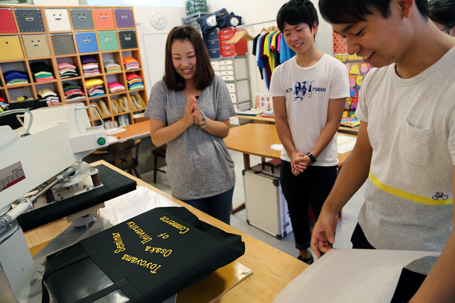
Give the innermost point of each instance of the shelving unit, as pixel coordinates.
(234, 72)
(54, 35)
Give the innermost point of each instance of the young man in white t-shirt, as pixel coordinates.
(405, 148)
(309, 93)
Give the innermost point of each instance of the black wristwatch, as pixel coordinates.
(312, 158)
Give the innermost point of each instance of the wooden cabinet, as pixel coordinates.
(73, 54)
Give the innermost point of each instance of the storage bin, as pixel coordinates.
(36, 46)
(127, 39)
(82, 18)
(108, 40)
(86, 42)
(212, 35)
(63, 44)
(58, 19)
(29, 19)
(7, 24)
(104, 19)
(124, 17)
(212, 44)
(10, 48)
(214, 53)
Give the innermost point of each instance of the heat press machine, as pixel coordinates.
(42, 179)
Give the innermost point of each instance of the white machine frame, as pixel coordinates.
(50, 142)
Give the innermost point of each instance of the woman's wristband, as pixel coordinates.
(204, 122)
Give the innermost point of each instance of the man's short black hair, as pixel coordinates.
(295, 12)
(353, 11)
(443, 12)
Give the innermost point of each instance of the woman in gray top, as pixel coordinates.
(189, 110)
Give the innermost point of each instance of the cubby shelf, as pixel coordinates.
(59, 35)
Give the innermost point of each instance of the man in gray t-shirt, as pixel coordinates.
(406, 143)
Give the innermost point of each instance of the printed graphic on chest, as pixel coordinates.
(305, 89)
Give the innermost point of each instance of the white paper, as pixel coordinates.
(112, 140)
(116, 130)
(345, 143)
(350, 276)
(278, 147)
(134, 203)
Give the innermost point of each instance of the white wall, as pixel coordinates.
(260, 12)
(152, 41)
(55, 3)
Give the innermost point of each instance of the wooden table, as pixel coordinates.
(253, 139)
(142, 129)
(272, 268)
(260, 119)
(134, 131)
(256, 139)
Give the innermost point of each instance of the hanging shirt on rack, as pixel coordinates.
(255, 51)
(265, 59)
(259, 61)
(286, 53)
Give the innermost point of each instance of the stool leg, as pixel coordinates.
(137, 173)
(155, 167)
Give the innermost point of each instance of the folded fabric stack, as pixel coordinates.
(73, 92)
(115, 87)
(134, 81)
(90, 65)
(95, 87)
(3, 103)
(130, 63)
(112, 67)
(50, 96)
(137, 102)
(120, 105)
(67, 70)
(22, 98)
(15, 77)
(42, 72)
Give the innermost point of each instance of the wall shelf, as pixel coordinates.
(108, 34)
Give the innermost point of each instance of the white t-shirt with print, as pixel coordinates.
(307, 91)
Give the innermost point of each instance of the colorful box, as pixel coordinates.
(82, 18)
(58, 19)
(36, 46)
(63, 44)
(124, 17)
(7, 24)
(29, 19)
(108, 40)
(86, 42)
(10, 48)
(104, 19)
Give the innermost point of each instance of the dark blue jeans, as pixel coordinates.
(311, 187)
(218, 206)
